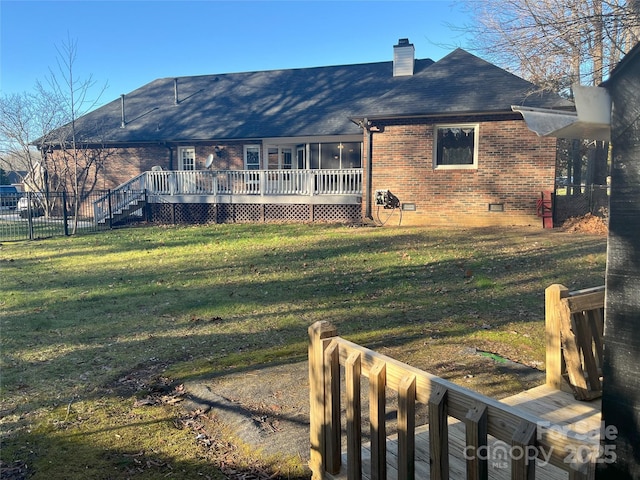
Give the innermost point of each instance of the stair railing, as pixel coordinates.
(118, 199)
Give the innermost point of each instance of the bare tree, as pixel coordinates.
(555, 44)
(24, 119)
(77, 164)
(38, 133)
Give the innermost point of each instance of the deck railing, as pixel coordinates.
(574, 327)
(116, 200)
(482, 417)
(255, 182)
(229, 182)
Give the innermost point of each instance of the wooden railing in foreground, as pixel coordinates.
(481, 415)
(574, 323)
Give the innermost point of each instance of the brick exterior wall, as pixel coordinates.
(514, 167)
(124, 163)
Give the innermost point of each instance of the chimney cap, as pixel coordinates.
(403, 42)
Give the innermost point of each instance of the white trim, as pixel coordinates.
(303, 149)
(245, 149)
(181, 151)
(281, 149)
(311, 139)
(476, 141)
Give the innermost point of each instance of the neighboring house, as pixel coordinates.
(324, 144)
(16, 178)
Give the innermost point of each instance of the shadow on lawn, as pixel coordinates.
(76, 457)
(374, 305)
(251, 314)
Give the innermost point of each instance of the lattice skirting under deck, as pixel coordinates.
(200, 213)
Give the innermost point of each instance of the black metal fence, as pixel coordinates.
(578, 200)
(38, 215)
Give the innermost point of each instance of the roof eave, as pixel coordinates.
(592, 119)
(404, 116)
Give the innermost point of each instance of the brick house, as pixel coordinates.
(328, 143)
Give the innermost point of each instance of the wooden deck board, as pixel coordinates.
(557, 407)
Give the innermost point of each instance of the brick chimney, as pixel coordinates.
(403, 58)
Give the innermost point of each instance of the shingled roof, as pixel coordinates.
(306, 101)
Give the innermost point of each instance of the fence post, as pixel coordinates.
(524, 438)
(147, 207)
(65, 213)
(30, 197)
(332, 408)
(553, 364)
(109, 207)
(317, 333)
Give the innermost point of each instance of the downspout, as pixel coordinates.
(369, 160)
(168, 147)
(367, 126)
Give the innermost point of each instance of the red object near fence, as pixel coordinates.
(544, 209)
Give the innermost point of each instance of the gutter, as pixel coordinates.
(436, 115)
(592, 119)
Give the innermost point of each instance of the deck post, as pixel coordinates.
(522, 466)
(377, 412)
(407, 427)
(439, 433)
(332, 408)
(584, 470)
(553, 365)
(476, 433)
(317, 333)
(353, 371)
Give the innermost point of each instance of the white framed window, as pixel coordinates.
(186, 158)
(286, 155)
(272, 158)
(252, 157)
(455, 146)
(279, 158)
(301, 156)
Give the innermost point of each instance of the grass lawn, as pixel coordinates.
(81, 317)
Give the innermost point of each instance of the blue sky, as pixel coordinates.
(126, 44)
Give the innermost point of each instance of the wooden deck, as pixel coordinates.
(559, 408)
(551, 432)
(233, 187)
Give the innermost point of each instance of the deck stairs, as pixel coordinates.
(122, 202)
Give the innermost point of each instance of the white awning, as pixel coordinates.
(591, 121)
